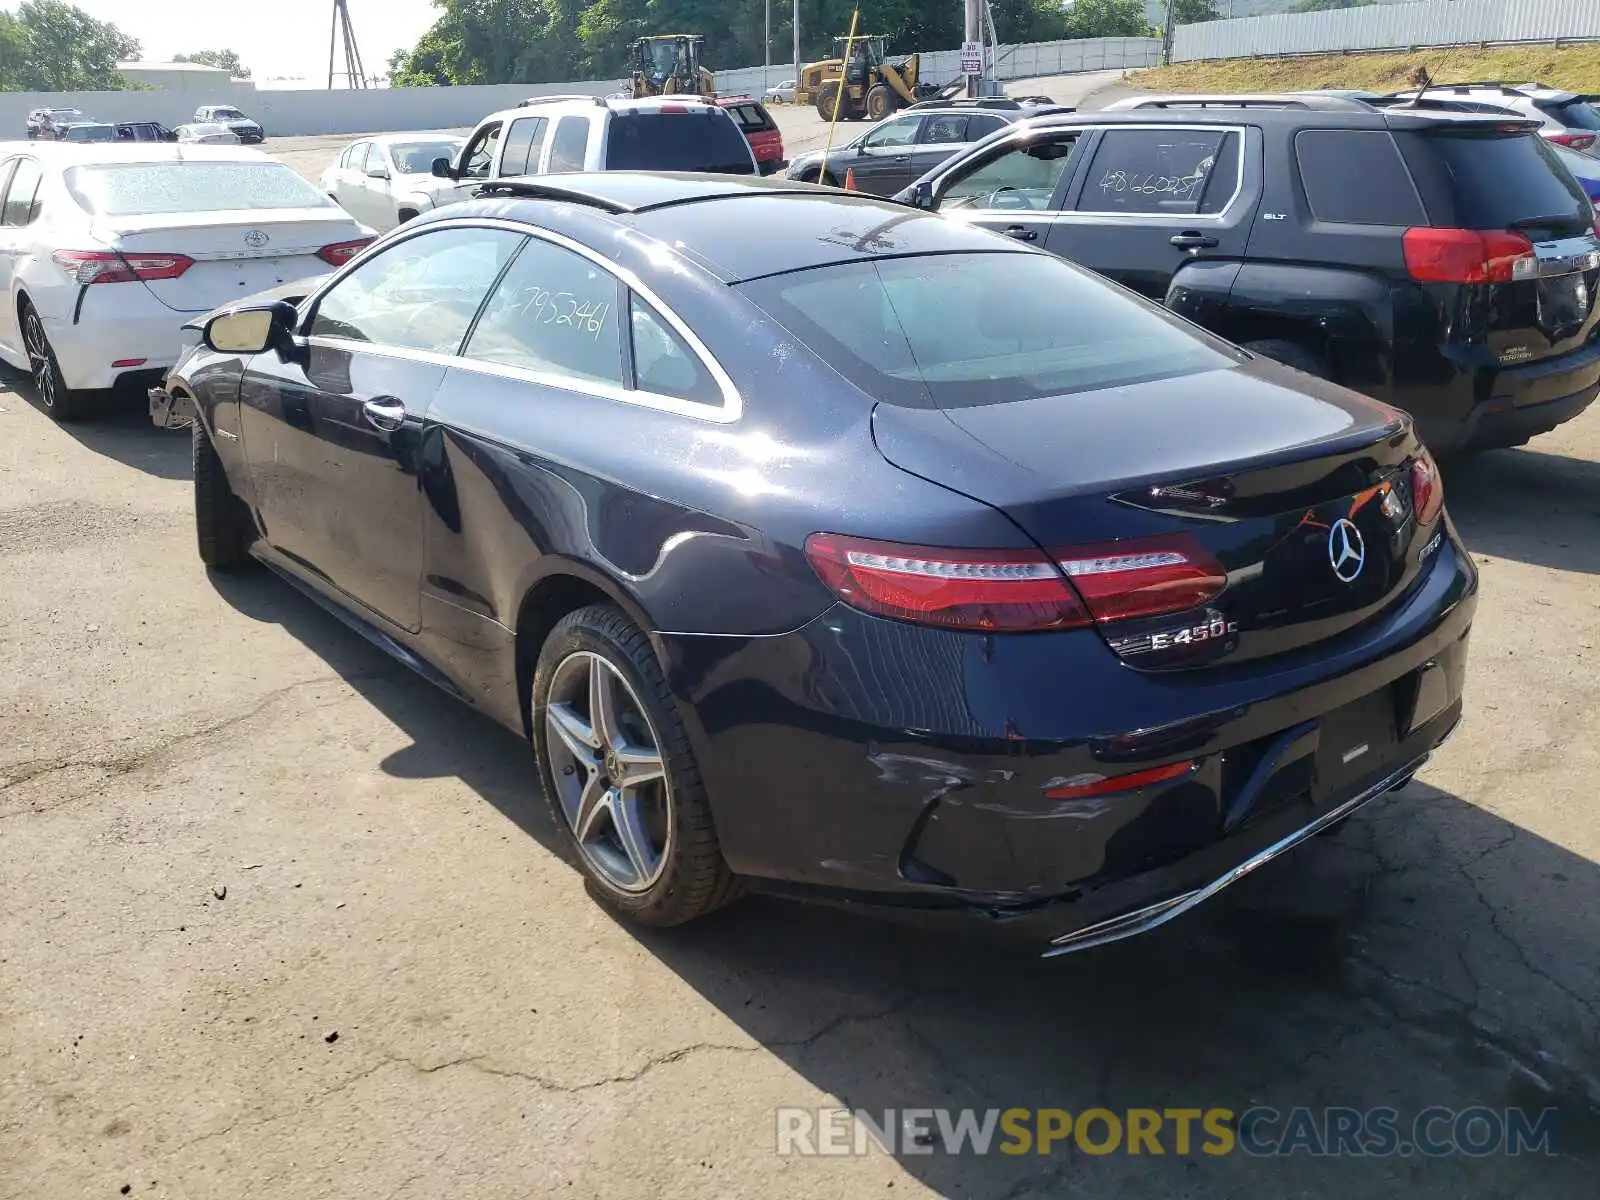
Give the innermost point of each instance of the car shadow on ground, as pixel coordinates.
(1430, 953)
(1529, 506)
(119, 428)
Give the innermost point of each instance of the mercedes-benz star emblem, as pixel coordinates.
(256, 239)
(1347, 552)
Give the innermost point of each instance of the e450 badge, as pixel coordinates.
(1213, 633)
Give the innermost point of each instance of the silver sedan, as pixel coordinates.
(386, 180)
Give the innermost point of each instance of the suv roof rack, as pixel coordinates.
(533, 100)
(1301, 100)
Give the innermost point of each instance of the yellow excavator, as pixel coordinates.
(865, 81)
(669, 65)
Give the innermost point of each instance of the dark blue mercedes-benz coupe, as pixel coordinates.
(834, 548)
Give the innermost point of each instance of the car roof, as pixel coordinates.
(725, 223)
(70, 153)
(1271, 110)
(603, 103)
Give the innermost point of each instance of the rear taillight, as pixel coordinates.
(342, 252)
(1468, 255)
(998, 590)
(84, 267)
(1143, 577)
(1574, 141)
(1427, 489)
(1017, 590)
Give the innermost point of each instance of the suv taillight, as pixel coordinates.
(1016, 590)
(84, 267)
(1427, 489)
(1574, 141)
(1468, 255)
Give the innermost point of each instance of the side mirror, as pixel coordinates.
(922, 195)
(441, 169)
(251, 330)
(377, 172)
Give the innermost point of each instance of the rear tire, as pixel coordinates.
(1292, 354)
(670, 870)
(64, 404)
(222, 524)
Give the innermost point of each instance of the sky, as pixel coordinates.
(282, 38)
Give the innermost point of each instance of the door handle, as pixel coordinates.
(1193, 241)
(1022, 233)
(384, 412)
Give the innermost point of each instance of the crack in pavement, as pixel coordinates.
(117, 766)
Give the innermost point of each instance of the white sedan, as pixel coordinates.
(108, 249)
(782, 94)
(207, 135)
(385, 181)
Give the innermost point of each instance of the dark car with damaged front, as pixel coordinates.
(888, 561)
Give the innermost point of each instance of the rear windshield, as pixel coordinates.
(1576, 114)
(416, 158)
(147, 189)
(752, 118)
(700, 139)
(91, 133)
(955, 330)
(1506, 182)
(228, 114)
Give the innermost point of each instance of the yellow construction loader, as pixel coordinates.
(669, 65)
(865, 82)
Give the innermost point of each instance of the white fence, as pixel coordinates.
(1012, 62)
(294, 113)
(1391, 27)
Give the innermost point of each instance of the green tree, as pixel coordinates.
(1193, 12)
(223, 60)
(1106, 18)
(51, 46)
(1328, 5)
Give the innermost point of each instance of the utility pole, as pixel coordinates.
(1166, 33)
(797, 43)
(766, 47)
(973, 32)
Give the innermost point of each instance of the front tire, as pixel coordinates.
(880, 102)
(222, 525)
(64, 404)
(619, 774)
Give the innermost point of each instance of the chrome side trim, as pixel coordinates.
(1142, 920)
(732, 401)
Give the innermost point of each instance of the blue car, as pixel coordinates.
(829, 547)
(1585, 169)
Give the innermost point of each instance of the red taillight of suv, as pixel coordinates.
(340, 253)
(1468, 255)
(1573, 141)
(1015, 590)
(1427, 489)
(84, 267)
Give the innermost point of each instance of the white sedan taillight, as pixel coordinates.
(84, 267)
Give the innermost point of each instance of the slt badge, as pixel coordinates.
(1347, 551)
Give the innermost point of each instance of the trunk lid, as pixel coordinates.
(234, 253)
(1300, 491)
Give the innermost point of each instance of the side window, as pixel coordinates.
(358, 158)
(1356, 176)
(571, 144)
(945, 129)
(479, 156)
(1023, 177)
(663, 363)
(1157, 171)
(554, 312)
(420, 294)
(892, 133)
(21, 197)
(524, 140)
(981, 125)
(348, 155)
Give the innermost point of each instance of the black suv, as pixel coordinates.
(908, 145)
(1442, 261)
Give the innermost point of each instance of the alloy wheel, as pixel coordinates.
(608, 772)
(39, 361)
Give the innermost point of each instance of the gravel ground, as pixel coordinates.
(230, 830)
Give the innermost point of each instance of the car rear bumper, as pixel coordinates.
(1503, 406)
(99, 352)
(906, 770)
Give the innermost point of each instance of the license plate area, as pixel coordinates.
(1357, 741)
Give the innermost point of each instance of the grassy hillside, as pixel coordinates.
(1576, 68)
